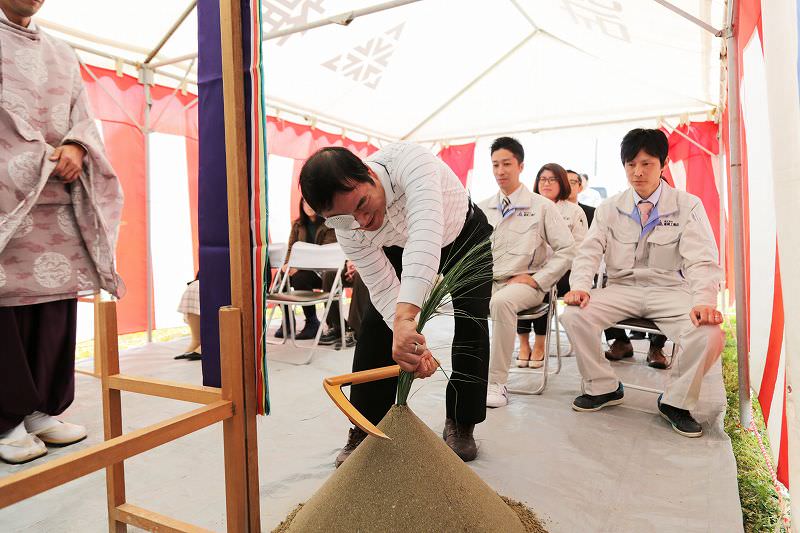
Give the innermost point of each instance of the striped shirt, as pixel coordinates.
(426, 205)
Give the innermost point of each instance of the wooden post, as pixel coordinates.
(239, 237)
(230, 327)
(108, 355)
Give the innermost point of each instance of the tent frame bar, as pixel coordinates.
(737, 214)
(169, 33)
(342, 19)
(542, 129)
(694, 142)
(691, 18)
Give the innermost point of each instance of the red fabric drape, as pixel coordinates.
(119, 103)
(460, 158)
(700, 178)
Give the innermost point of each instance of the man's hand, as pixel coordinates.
(524, 279)
(705, 315)
(580, 298)
(350, 270)
(70, 162)
(408, 347)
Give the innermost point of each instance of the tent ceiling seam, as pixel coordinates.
(472, 83)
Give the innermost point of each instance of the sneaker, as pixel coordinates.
(587, 402)
(459, 438)
(349, 341)
(354, 437)
(497, 395)
(330, 337)
(619, 350)
(681, 420)
(53, 431)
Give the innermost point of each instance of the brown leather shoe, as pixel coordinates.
(656, 358)
(354, 437)
(459, 438)
(619, 350)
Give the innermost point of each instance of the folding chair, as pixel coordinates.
(551, 310)
(305, 256)
(277, 255)
(645, 326)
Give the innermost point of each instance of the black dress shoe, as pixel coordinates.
(587, 402)
(194, 356)
(459, 438)
(638, 335)
(309, 331)
(279, 333)
(354, 437)
(619, 350)
(681, 420)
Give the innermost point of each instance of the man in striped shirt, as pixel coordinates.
(398, 215)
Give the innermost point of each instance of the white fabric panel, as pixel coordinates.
(762, 202)
(678, 171)
(170, 231)
(85, 329)
(782, 48)
(279, 198)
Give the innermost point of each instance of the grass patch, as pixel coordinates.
(85, 349)
(760, 504)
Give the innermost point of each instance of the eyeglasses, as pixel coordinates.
(574, 182)
(548, 180)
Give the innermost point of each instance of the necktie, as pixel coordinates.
(506, 206)
(645, 206)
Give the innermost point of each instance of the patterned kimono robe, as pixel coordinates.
(57, 240)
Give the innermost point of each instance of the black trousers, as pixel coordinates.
(466, 392)
(37, 360)
(540, 324)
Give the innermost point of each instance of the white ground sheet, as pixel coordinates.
(620, 469)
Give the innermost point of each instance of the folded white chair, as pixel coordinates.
(320, 258)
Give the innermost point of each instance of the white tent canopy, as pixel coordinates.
(440, 70)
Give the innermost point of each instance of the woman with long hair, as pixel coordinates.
(552, 183)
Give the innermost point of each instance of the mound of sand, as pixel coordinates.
(413, 482)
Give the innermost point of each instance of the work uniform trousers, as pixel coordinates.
(37, 360)
(466, 392)
(507, 301)
(698, 347)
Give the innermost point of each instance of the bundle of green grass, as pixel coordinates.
(413, 482)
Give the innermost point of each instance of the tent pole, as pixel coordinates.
(169, 33)
(737, 203)
(342, 19)
(691, 18)
(534, 129)
(146, 79)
